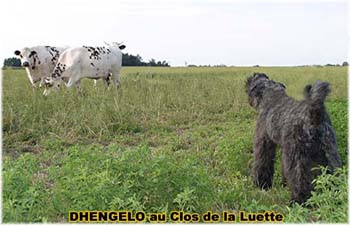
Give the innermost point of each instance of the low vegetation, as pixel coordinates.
(168, 139)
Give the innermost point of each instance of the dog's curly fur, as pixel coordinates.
(302, 129)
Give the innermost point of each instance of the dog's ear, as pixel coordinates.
(282, 85)
(17, 52)
(255, 96)
(307, 90)
(254, 102)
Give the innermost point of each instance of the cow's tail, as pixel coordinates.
(315, 95)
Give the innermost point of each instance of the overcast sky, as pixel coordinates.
(197, 32)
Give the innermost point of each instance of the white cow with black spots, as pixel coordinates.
(74, 64)
(39, 61)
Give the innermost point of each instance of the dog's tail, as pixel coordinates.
(315, 95)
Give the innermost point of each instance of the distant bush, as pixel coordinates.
(329, 64)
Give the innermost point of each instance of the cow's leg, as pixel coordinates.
(77, 84)
(106, 83)
(107, 80)
(30, 77)
(95, 83)
(46, 92)
(33, 83)
(42, 82)
(71, 83)
(31, 80)
(116, 79)
(74, 77)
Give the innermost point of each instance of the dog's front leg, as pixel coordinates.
(264, 158)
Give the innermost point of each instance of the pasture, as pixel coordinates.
(168, 139)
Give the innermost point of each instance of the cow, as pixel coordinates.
(39, 61)
(77, 63)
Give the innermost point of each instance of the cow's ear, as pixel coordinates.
(32, 53)
(121, 47)
(17, 52)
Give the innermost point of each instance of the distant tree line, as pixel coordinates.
(128, 60)
(329, 64)
(12, 62)
(220, 65)
(132, 60)
(223, 65)
(343, 64)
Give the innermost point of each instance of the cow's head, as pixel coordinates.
(29, 57)
(116, 44)
(52, 82)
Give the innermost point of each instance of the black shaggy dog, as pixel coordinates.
(302, 129)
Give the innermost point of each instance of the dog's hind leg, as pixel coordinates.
(297, 167)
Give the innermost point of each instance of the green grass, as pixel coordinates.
(168, 139)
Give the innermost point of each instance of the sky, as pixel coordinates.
(238, 33)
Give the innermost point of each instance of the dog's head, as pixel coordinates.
(257, 85)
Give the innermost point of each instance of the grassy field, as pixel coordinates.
(168, 139)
